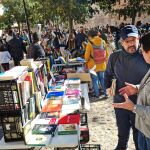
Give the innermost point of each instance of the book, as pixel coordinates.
(55, 98)
(55, 94)
(72, 81)
(51, 108)
(66, 129)
(67, 100)
(44, 129)
(73, 86)
(47, 121)
(70, 119)
(49, 115)
(37, 139)
(32, 108)
(72, 107)
(72, 92)
(55, 102)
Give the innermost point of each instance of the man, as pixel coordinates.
(15, 47)
(142, 108)
(122, 66)
(96, 69)
(35, 50)
(80, 37)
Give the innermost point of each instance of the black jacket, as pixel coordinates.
(15, 48)
(35, 51)
(125, 67)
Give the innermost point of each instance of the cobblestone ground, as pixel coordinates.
(102, 125)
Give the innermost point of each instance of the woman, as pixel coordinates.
(142, 108)
(4, 57)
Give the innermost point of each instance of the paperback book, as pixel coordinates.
(44, 129)
(50, 115)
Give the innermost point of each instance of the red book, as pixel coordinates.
(70, 119)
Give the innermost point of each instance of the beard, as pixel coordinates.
(132, 49)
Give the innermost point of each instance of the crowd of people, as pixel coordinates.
(121, 53)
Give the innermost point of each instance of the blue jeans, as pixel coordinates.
(143, 142)
(96, 79)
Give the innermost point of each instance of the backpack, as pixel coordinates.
(99, 53)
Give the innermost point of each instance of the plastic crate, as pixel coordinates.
(9, 97)
(90, 147)
(84, 134)
(12, 128)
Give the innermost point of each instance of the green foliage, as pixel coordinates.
(58, 11)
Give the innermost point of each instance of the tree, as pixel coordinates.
(132, 8)
(60, 11)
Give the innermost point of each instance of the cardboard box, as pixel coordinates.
(84, 77)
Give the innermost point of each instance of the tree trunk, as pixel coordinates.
(133, 16)
(70, 24)
(19, 26)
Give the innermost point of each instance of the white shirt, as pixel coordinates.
(4, 57)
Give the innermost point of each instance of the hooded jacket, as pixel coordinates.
(97, 41)
(125, 67)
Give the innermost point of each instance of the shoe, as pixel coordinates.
(106, 97)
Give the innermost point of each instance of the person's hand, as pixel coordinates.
(129, 89)
(128, 104)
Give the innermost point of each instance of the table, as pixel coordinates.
(64, 140)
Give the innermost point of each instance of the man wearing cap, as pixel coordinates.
(122, 65)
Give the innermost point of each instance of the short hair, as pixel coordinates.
(145, 41)
(92, 33)
(36, 37)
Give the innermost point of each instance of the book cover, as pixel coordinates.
(50, 115)
(66, 129)
(72, 81)
(51, 108)
(55, 102)
(32, 109)
(55, 94)
(55, 98)
(73, 86)
(37, 139)
(44, 129)
(72, 92)
(47, 121)
(70, 119)
(71, 100)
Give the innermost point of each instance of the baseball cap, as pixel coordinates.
(129, 30)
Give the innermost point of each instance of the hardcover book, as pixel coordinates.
(70, 119)
(66, 129)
